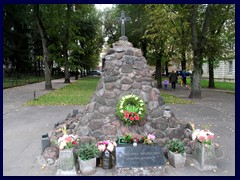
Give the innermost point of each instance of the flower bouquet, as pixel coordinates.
(106, 145)
(203, 136)
(149, 139)
(67, 141)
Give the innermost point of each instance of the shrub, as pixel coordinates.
(176, 146)
(88, 151)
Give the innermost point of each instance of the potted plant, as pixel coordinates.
(204, 152)
(125, 139)
(66, 162)
(106, 148)
(87, 154)
(176, 153)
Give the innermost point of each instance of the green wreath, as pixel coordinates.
(131, 109)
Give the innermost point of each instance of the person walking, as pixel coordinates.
(173, 79)
(165, 83)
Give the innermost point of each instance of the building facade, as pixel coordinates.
(224, 72)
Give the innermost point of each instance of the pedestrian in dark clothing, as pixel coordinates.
(173, 79)
(184, 77)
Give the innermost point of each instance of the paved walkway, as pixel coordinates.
(23, 127)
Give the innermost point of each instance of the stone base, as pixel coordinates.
(72, 172)
(204, 157)
(141, 171)
(66, 163)
(87, 167)
(176, 160)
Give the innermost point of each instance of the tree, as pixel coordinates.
(44, 38)
(218, 37)
(17, 38)
(136, 27)
(199, 29)
(66, 42)
(157, 35)
(180, 29)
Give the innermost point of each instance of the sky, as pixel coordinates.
(103, 6)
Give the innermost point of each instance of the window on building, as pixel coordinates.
(230, 67)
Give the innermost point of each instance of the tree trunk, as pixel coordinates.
(81, 75)
(211, 83)
(166, 68)
(76, 73)
(158, 72)
(198, 43)
(196, 86)
(65, 45)
(47, 70)
(183, 62)
(144, 47)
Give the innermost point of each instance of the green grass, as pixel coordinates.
(77, 93)
(171, 99)
(218, 85)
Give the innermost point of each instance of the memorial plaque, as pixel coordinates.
(141, 155)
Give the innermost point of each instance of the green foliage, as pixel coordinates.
(88, 151)
(77, 93)
(127, 138)
(131, 104)
(176, 146)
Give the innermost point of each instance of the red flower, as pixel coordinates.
(126, 115)
(137, 117)
(131, 118)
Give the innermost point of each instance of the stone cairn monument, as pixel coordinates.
(126, 72)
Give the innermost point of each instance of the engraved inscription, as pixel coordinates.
(139, 156)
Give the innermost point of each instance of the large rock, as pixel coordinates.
(51, 153)
(126, 72)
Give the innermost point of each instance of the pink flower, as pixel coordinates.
(211, 137)
(131, 118)
(151, 136)
(105, 142)
(101, 147)
(201, 138)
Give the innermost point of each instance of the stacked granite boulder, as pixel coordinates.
(126, 72)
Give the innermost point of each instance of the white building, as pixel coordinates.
(224, 72)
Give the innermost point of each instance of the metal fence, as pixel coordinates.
(19, 79)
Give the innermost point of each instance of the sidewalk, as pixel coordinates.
(23, 127)
(216, 108)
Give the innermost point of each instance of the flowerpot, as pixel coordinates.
(106, 160)
(87, 167)
(121, 140)
(66, 162)
(176, 160)
(205, 156)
